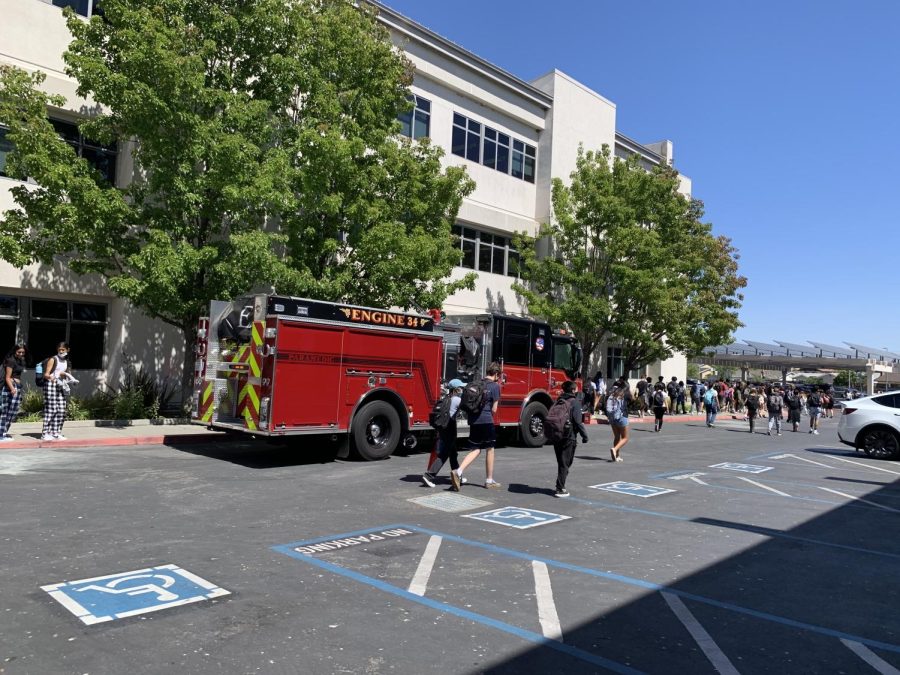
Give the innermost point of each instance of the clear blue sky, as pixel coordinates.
(786, 116)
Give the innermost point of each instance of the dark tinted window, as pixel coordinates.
(85, 312)
(888, 400)
(86, 341)
(9, 306)
(515, 343)
(5, 148)
(49, 309)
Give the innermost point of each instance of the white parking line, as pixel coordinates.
(546, 607)
(764, 487)
(420, 579)
(697, 480)
(715, 655)
(803, 459)
(860, 499)
(870, 657)
(868, 466)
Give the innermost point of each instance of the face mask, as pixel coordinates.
(62, 355)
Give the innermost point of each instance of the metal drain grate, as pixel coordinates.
(450, 502)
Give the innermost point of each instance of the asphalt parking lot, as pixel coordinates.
(705, 550)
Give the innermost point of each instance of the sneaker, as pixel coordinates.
(779, 433)
(463, 480)
(816, 432)
(60, 437)
(428, 480)
(6, 439)
(810, 431)
(561, 493)
(493, 485)
(455, 481)
(47, 437)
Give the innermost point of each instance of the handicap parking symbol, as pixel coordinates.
(117, 596)
(744, 468)
(519, 518)
(634, 489)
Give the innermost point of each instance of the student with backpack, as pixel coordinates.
(55, 379)
(774, 404)
(443, 419)
(672, 391)
(479, 401)
(617, 412)
(752, 407)
(563, 423)
(711, 403)
(11, 396)
(814, 403)
(794, 404)
(658, 401)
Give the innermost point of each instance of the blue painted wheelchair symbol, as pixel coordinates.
(521, 519)
(634, 489)
(744, 468)
(117, 596)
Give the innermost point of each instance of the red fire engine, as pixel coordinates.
(280, 366)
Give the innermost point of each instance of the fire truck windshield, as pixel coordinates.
(566, 355)
(234, 324)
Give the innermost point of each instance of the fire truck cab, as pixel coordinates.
(535, 362)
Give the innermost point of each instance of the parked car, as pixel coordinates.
(872, 424)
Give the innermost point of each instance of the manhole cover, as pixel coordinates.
(451, 502)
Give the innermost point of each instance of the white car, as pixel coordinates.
(872, 424)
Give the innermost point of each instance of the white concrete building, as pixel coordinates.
(512, 137)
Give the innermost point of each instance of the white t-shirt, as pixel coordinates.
(62, 365)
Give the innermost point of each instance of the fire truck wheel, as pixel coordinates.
(376, 430)
(531, 426)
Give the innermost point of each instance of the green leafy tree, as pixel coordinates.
(265, 152)
(849, 378)
(630, 260)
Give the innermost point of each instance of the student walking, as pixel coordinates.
(565, 447)
(711, 402)
(696, 397)
(617, 412)
(644, 388)
(672, 391)
(774, 404)
(482, 433)
(752, 407)
(659, 407)
(11, 397)
(57, 377)
(681, 399)
(446, 447)
(814, 403)
(794, 404)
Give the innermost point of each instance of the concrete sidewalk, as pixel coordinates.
(92, 433)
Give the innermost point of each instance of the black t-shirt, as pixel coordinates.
(16, 365)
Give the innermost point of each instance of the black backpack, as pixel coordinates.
(40, 368)
(439, 417)
(472, 399)
(659, 398)
(814, 401)
(558, 423)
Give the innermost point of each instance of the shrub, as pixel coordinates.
(140, 395)
(32, 403)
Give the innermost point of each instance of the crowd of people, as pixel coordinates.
(775, 403)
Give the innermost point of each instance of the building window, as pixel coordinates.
(492, 148)
(81, 7)
(415, 123)
(81, 324)
(487, 252)
(615, 365)
(6, 147)
(101, 157)
(9, 321)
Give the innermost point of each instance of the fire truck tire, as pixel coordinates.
(531, 425)
(376, 430)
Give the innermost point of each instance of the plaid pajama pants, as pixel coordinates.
(9, 408)
(54, 408)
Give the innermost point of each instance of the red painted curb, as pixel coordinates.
(164, 439)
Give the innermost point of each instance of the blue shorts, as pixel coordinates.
(619, 422)
(482, 436)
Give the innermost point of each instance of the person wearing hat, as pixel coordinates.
(446, 437)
